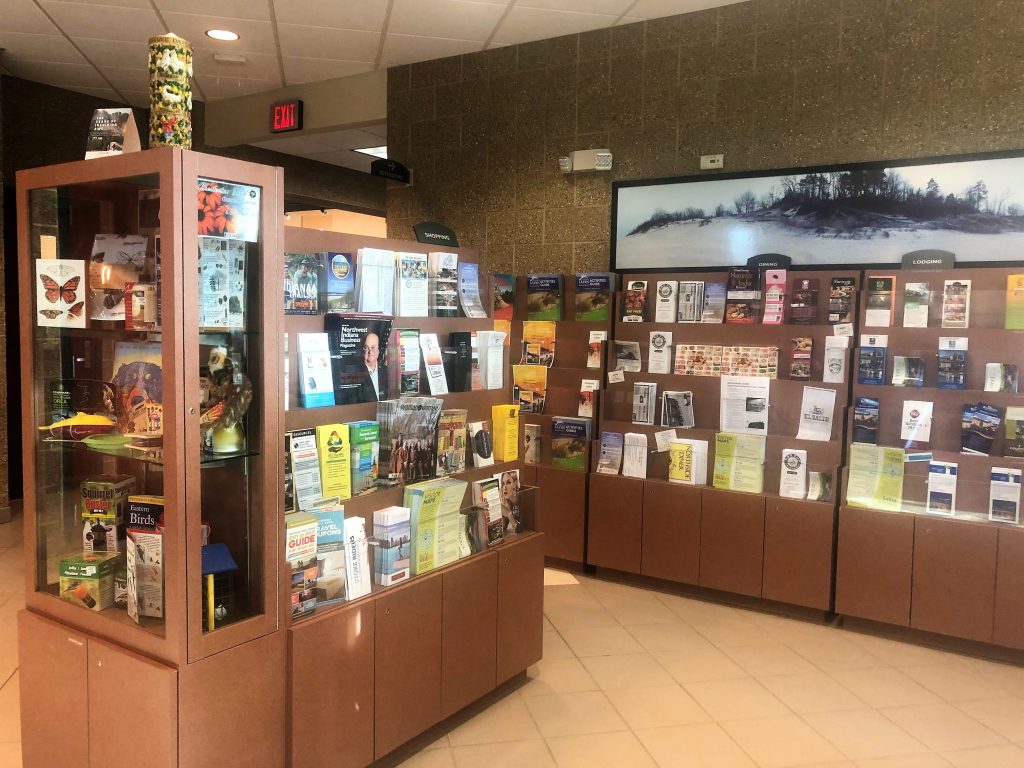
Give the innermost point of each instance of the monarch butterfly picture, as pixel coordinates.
(59, 293)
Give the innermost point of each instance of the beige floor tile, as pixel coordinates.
(574, 714)
(1004, 756)
(10, 533)
(10, 755)
(895, 653)
(1004, 716)
(515, 754)
(788, 630)
(670, 636)
(864, 734)
(600, 750)
(506, 720)
(734, 632)
(558, 676)
(601, 641)
(770, 659)
(640, 613)
(926, 760)
(8, 658)
(885, 687)
(557, 596)
(955, 682)
(627, 671)
(704, 745)
(811, 692)
(736, 699)
(657, 707)
(834, 652)
(700, 664)
(698, 611)
(435, 758)
(443, 741)
(1008, 676)
(778, 742)
(579, 617)
(548, 626)
(943, 727)
(555, 647)
(557, 577)
(10, 711)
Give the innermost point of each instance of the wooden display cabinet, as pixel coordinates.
(948, 574)
(759, 545)
(213, 299)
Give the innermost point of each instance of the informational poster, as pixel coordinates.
(744, 404)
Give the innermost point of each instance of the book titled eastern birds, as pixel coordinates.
(543, 297)
(569, 438)
(593, 296)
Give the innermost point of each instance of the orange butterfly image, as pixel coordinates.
(55, 291)
(76, 310)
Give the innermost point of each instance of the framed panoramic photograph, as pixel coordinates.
(868, 213)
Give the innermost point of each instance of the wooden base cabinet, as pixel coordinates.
(615, 529)
(560, 512)
(732, 541)
(874, 565)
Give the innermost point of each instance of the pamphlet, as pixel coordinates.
(742, 296)
(594, 348)
(530, 387)
(375, 281)
(739, 463)
(491, 358)
(634, 457)
(305, 467)
(915, 305)
(588, 388)
(531, 443)
(865, 421)
(60, 293)
(816, 412)
(690, 301)
(714, 303)
(916, 427)
(871, 366)
(413, 299)
(803, 302)
(774, 297)
(840, 302)
(357, 561)
(339, 284)
(538, 343)
(433, 364)
(875, 477)
(594, 296)
(1004, 495)
(878, 310)
(569, 439)
(1013, 434)
(627, 356)
(982, 428)
(793, 474)
(659, 353)
(316, 384)
(635, 301)
(663, 440)
(907, 371)
(941, 488)
(698, 360)
(680, 462)
(744, 404)
(952, 364)
(698, 457)
(469, 290)
(1001, 377)
(677, 409)
(443, 276)
(800, 358)
(644, 397)
(834, 364)
(504, 296)
(610, 459)
(543, 297)
(956, 303)
(666, 301)
(1014, 318)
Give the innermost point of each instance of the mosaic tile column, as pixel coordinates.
(170, 93)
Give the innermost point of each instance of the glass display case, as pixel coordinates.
(152, 398)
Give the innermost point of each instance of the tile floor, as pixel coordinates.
(633, 678)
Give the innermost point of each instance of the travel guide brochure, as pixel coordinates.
(538, 343)
(742, 296)
(543, 297)
(841, 298)
(443, 284)
(588, 390)
(690, 301)
(915, 305)
(982, 423)
(775, 297)
(412, 296)
(875, 477)
(1013, 434)
(627, 355)
(481, 443)
(504, 296)
(803, 301)
(952, 363)
(916, 426)
(339, 283)
(714, 302)
(865, 421)
(1014, 317)
(594, 296)
(750, 361)
(941, 499)
(956, 303)
(452, 434)
(594, 348)
(879, 301)
(569, 438)
(530, 385)
(375, 281)
(800, 358)
(1004, 495)
(610, 459)
(677, 409)
(531, 444)
(739, 462)
(907, 371)
(469, 290)
(871, 365)
(659, 352)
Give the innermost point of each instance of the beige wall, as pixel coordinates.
(771, 83)
(335, 220)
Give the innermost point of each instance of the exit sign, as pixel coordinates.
(286, 116)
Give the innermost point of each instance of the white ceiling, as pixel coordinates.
(99, 48)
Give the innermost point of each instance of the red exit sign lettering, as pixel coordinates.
(286, 116)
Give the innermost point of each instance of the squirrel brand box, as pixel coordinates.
(107, 496)
(88, 579)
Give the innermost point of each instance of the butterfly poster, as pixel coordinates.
(115, 261)
(60, 293)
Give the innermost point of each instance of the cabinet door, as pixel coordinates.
(406, 662)
(731, 541)
(331, 689)
(671, 532)
(615, 524)
(520, 605)
(1009, 607)
(469, 626)
(956, 600)
(560, 512)
(51, 659)
(133, 710)
(798, 552)
(874, 564)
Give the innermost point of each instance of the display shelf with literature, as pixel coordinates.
(150, 419)
(934, 464)
(436, 638)
(761, 527)
(574, 382)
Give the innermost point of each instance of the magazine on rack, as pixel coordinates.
(408, 434)
(359, 357)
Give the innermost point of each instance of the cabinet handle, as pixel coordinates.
(99, 663)
(192, 410)
(387, 611)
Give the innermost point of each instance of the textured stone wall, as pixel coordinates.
(770, 83)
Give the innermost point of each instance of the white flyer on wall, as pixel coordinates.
(793, 475)
(816, 412)
(659, 353)
(744, 404)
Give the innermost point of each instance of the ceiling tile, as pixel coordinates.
(56, 48)
(364, 15)
(628, 20)
(351, 138)
(138, 99)
(302, 70)
(253, 36)
(405, 49)
(61, 75)
(231, 9)
(306, 146)
(100, 93)
(610, 7)
(104, 21)
(25, 16)
(257, 66)
(124, 78)
(655, 9)
(116, 3)
(453, 19)
(114, 53)
(347, 159)
(525, 24)
(215, 87)
(319, 43)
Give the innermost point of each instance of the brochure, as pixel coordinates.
(610, 459)
(543, 297)
(594, 296)
(316, 384)
(301, 284)
(666, 301)
(841, 297)
(875, 477)
(634, 457)
(594, 348)
(680, 462)
(339, 283)
(481, 443)
(635, 301)
(627, 356)
(834, 364)
(984, 425)
(714, 303)
(443, 284)
(803, 302)
(915, 305)
(677, 409)
(1014, 318)
(305, 468)
(698, 459)
(865, 421)
(793, 474)
(775, 297)
(531, 443)
(956, 303)
(433, 364)
(742, 297)
(659, 352)
(1001, 377)
(744, 404)
(538, 343)
(739, 463)
(800, 358)
(816, 412)
(907, 371)
(690, 307)
(569, 438)
(588, 390)
(952, 363)
(644, 397)
(916, 426)
(1013, 432)
(750, 361)
(941, 488)
(878, 310)
(871, 366)
(408, 439)
(1004, 495)
(504, 297)
(491, 358)
(412, 296)
(469, 290)
(409, 361)
(698, 360)
(375, 281)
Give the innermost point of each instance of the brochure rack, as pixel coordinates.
(367, 676)
(175, 674)
(760, 545)
(949, 571)
(562, 507)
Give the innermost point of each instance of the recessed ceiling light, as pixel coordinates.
(221, 34)
(374, 151)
